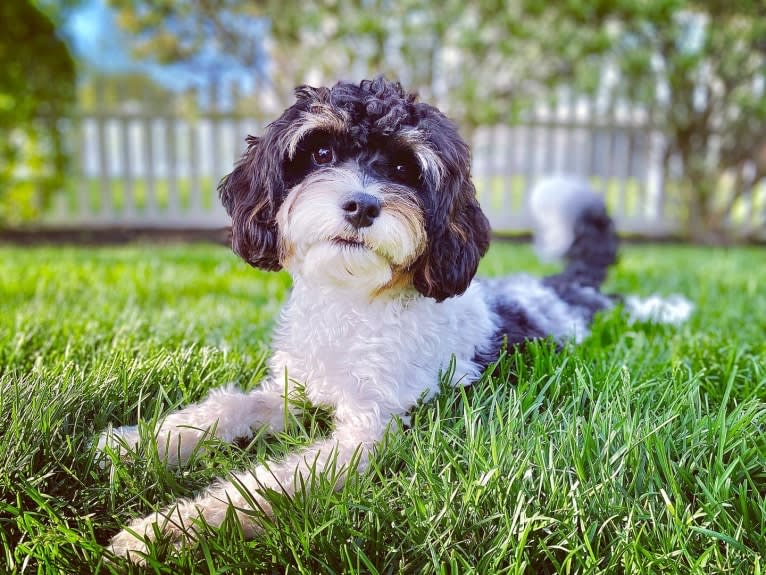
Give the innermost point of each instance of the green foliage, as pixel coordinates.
(698, 67)
(639, 451)
(37, 82)
(471, 59)
(111, 91)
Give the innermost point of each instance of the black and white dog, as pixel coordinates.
(365, 196)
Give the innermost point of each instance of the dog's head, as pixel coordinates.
(359, 186)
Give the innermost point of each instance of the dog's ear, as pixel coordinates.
(251, 195)
(458, 231)
(456, 242)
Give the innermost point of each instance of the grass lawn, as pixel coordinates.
(642, 450)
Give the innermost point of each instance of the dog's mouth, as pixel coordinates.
(353, 243)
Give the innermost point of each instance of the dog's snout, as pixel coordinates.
(360, 209)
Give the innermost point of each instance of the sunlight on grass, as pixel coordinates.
(640, 451)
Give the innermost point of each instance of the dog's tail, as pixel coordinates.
(571, 222)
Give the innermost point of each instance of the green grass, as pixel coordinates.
(641, 451)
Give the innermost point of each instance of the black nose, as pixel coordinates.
(360, 209)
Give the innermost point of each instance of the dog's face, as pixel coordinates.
(359, 187)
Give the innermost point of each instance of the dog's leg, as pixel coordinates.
(228, 413)
(348, 445)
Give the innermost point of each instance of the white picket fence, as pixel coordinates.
(135, 168)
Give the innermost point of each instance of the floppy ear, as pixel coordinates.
(251, 195)
(458, 237)
(457, 229)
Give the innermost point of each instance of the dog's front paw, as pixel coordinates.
(120, 440)
(174, 524)
(130, 545)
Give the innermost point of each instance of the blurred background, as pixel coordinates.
(124, 114)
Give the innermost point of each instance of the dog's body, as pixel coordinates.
(365, 196)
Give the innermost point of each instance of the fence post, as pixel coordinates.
(126, 171)
(195, 204)
(171, 159)
(105, 190)
(162, 153)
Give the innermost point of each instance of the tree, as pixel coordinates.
(37, 86)
(200, 33)
(698, 66)
(472, 59)
(98, 90)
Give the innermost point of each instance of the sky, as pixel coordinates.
(96, 39)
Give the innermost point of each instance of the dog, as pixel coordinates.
(364, 195)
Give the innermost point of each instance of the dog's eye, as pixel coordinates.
(323, 155)
(405, 171)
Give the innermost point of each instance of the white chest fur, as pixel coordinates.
(377, 358)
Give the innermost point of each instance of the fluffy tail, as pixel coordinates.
(571, 222)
